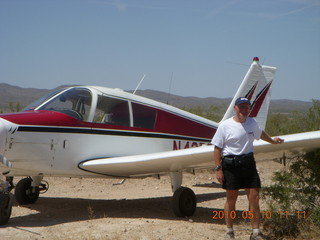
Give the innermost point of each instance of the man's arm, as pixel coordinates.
(217, 162)
(276, 140)
(217, 156)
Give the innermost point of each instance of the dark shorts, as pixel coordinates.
(241, 177)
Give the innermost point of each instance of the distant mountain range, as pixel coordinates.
(17, 96)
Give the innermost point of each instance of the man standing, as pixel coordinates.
(235, 164)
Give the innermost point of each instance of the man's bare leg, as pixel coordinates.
(230, 206)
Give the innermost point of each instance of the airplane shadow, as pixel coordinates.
(52, 211)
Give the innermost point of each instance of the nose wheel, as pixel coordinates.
(25, 193)
(28, 189)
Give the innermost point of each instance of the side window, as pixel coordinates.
(143, 116)
(112, 111)
(74, 102)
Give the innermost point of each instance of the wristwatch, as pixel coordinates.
(217, 168)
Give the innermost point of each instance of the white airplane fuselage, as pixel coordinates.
(52, 141)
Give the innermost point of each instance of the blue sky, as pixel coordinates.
(204, 46)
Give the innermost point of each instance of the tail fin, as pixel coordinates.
(256, 86)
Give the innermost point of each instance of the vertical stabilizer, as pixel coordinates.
(256, 86)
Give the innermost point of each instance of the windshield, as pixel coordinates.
(75, 102)
(41, 100)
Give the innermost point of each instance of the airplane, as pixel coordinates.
(98, 132)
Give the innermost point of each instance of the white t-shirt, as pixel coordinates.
(236, 138)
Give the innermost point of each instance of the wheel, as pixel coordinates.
(184, 202)
(25, 193)
(5, 208)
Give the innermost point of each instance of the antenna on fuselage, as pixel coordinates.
(139, 84)
(169, 93)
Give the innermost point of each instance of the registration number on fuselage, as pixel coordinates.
(185, 144)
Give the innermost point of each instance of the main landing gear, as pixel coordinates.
(184, 200)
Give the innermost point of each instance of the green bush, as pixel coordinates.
(294, 199)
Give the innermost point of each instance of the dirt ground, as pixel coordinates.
(137, 209)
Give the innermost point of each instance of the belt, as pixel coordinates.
(239, 157)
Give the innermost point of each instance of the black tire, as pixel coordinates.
(5, 208)
(184, 202)
(24, 192)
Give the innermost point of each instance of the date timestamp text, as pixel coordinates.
(220, 214)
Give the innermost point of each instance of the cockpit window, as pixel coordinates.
(143, 116)
(112, 111)
(41, 100)
(116, 112)
(75, 102)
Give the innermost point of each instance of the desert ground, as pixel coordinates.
(79, 208)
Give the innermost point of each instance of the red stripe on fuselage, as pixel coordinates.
(167, 123)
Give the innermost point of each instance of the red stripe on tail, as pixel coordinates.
(251, 91)
(255, 108)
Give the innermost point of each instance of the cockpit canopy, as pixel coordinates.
(75, 102)
(98, 107)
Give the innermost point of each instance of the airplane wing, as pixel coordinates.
(151, 164)
(292, 143)
(191, 158)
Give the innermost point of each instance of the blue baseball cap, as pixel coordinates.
(241, 100)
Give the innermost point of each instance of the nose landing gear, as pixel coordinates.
(28, 189)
